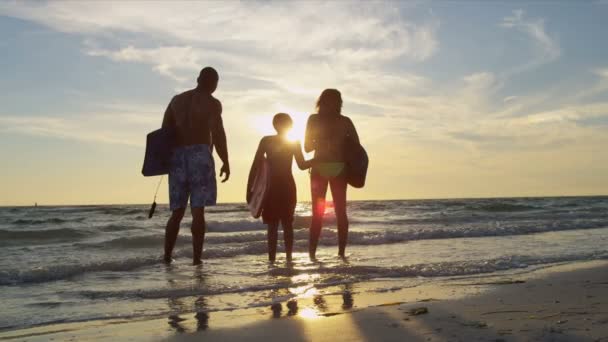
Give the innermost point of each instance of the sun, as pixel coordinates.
(297, 131)
(263, 123)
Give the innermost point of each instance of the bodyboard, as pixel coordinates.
(159, 148)
(259, 189)
(356, 165)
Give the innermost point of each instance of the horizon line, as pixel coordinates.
(358, 200)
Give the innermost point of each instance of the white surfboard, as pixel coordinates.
(259, 189)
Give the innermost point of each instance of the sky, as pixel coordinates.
(451, 99)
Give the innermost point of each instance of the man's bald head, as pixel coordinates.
(207, 79)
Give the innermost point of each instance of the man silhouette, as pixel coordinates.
(195, 115)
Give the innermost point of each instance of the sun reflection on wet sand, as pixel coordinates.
(308, 313)
(304, 291)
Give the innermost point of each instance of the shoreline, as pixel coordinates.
(557, 302)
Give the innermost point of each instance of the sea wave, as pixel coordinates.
(245, 234)
(46, 221)
(501, 207)
(347, 273)
(8, 237)
(441, 269)
(66, 271)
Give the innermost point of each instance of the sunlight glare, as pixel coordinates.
(308, 313)
(299, 122)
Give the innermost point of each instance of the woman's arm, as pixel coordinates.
(310, 138)
(351, 131)
(259, 155)
(297, 153)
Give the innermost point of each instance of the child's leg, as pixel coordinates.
(288, 237)
(273, 233)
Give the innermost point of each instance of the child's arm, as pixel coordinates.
(297, 153)
(259, 155)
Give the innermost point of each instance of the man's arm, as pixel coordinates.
(168, 119)
(218, 136)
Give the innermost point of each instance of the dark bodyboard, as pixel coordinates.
(356, 164)
(159, 148)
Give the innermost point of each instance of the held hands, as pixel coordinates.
(225, 171)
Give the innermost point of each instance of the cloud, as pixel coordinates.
(287, 30)
(116, 125)
(547, 48)
(603, 73)
(290, 51)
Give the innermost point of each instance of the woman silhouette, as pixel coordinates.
(327, 133)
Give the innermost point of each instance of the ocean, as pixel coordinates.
(80, 263)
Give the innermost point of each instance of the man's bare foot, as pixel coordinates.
(167, 259)
(197, 262)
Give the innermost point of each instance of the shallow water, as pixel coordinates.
(89, 262)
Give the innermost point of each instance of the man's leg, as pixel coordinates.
(198, 234)
(171, 232)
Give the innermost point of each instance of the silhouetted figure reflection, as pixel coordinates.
(175, 323)
(292, 305)
(177, 304)
(202, 320)
(347, 300)
(276, 310)
(320, 303)
(327, 133)
(281, 198)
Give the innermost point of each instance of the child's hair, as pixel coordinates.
(281, 120)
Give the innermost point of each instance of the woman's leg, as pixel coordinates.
(273, 229)
(318, 189)
(338, 193)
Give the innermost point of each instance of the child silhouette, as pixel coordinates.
(280, 202)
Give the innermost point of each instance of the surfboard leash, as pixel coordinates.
(153, 207)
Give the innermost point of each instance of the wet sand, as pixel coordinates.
(559, 303)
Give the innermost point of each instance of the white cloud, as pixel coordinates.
(298, 48)
(359, 30)
(547, 48)
(480, 80)
(603, 73)
(116, 125)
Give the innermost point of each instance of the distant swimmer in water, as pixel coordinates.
(281, 198)
(327, 133)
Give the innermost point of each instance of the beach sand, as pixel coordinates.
(559, 303)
